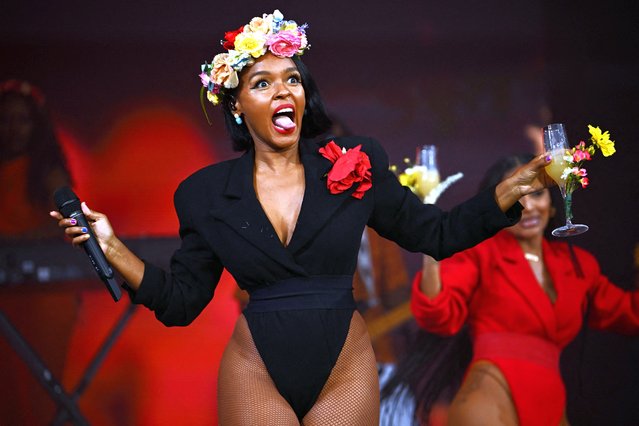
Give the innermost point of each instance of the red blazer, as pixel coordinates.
(493, 289)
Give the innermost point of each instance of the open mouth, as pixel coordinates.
(284, 119)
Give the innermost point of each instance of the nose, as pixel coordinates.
(526, 202)
(281, 90)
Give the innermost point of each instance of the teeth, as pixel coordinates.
(285, 110)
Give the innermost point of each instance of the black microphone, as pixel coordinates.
(69, 205)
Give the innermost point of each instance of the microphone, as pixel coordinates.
(69, 205)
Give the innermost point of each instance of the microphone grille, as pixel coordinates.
(66, 201)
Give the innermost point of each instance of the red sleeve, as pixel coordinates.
(610, 307)
(447, 312)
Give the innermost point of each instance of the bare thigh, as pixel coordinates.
(246, 393)
(350, 396)
(484, 399)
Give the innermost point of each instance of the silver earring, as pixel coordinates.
(238, 119)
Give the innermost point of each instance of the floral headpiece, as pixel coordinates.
(23, 88)
(270, 33)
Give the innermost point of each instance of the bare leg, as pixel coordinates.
(350, 397)
(484, 399)
(246, 392)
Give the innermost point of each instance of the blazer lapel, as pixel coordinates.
(521, 277)
(319, 204)
(244, 214)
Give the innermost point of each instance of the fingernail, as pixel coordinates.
(84, 230)
(73, 221)
(548, 158)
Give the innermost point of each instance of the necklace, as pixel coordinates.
(531, 257)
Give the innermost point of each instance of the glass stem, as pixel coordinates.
(568, 207)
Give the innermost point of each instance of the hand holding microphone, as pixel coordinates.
(75, 217)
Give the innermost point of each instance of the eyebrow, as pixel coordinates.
(286, 71)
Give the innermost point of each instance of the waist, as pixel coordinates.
(299, 293)
(516, 346)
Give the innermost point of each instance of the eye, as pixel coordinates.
(294, 79)
(260, 84)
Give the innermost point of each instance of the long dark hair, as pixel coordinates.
(43, 147)
(433, 366)
(314, 123)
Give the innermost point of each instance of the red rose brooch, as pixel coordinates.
(349, 167)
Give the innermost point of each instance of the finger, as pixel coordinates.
(541, 161)
(76, 241)
(55, 215)
(91, 214)
(66, 222)
(77, 231)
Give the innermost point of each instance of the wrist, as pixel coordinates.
(507, 193)
(113, 248)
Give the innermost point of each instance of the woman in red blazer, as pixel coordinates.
(523, 299)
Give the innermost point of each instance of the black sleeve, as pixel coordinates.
(399, 215)
(178, 297)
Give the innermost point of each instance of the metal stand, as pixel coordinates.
(67, 404)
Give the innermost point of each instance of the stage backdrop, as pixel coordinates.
(470, 77)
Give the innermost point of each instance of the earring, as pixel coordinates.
(238, 119)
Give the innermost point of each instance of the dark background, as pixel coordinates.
(465, 76)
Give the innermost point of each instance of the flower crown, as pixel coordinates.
(23, 88)
(270, 33)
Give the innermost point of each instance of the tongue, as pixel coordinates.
(284, 122)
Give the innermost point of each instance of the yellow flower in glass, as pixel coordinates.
(602, 140)
(566, 167)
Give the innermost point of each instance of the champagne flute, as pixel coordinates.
(426, 169)
(556, 143)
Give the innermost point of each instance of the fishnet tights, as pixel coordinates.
(248, 396)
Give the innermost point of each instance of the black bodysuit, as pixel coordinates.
(301, 300)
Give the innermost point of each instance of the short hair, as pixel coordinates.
(314, 123)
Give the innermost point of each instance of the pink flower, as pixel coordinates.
(285, 43)
(205, 79)
(349, 167)
(584, 182)
(579, 156)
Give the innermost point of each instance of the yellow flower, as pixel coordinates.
(251, 43)
(602, 140)
(289, 26)
(410, 178)
(213, 98)
(405, 179)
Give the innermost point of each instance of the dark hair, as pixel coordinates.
(314, 123)
(497, 172)
(430, 370)
(43, 147)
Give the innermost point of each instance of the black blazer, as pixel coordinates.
(222, 225)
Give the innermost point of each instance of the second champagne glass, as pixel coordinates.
(556, 143)
(426, 165)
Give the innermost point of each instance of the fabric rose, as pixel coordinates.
(223, 73)
(285, 43)
(239, 60)
(261, 25)
(251, 43)
(349, 168)
(229, 38)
